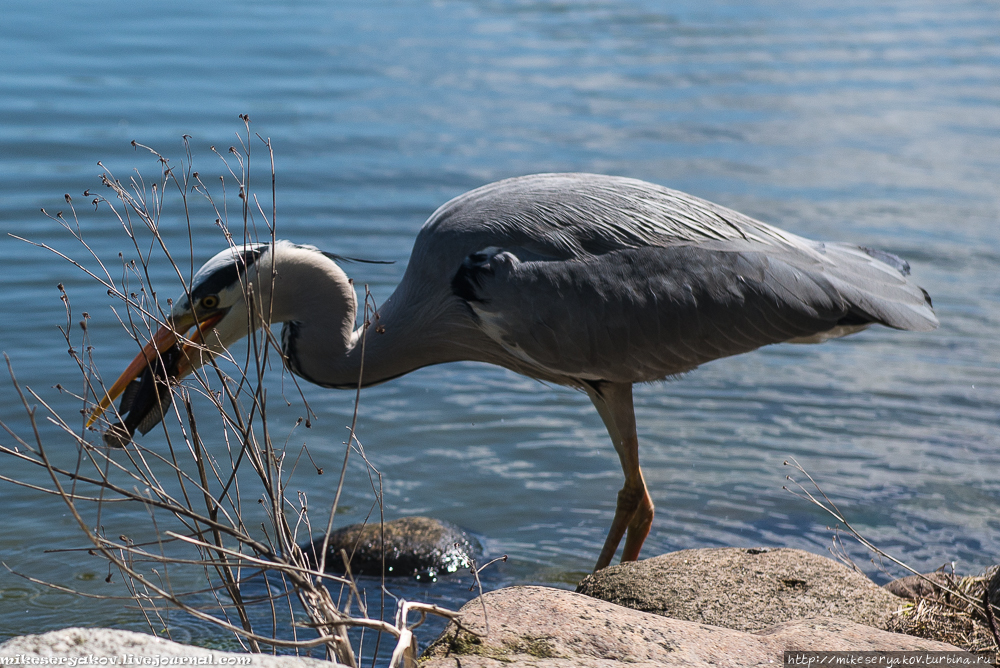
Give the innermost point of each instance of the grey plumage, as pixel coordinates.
(585, 277)
(596, 282)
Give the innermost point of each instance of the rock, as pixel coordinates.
(743, 589)
(915, 587)
(552, 628)
(418, 547)
(93, 644)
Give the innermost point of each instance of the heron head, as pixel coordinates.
(203, 322)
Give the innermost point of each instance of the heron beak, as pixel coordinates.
(165, 338)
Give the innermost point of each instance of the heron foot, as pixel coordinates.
(633, 514)
(638, 528)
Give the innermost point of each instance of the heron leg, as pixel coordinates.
(634, 511)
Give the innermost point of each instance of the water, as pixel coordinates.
(877, 123)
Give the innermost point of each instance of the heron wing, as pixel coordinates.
(639, 314)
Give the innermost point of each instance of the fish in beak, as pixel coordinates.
(144, 386)
(217, 290)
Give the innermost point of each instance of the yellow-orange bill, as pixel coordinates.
(190, 356)
(164, 338)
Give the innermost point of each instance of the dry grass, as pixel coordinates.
(942, 615)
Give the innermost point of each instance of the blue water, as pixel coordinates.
(872, 122)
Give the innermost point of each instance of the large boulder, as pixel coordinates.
(743, 589)
(418, 547)
(109, 646)
(552, 628)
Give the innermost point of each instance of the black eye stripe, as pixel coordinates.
(226, 275)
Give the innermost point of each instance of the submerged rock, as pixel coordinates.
(744, 589)
(419, 547)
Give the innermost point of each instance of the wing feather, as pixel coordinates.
(643, 314)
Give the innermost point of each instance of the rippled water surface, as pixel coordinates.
(873, 122)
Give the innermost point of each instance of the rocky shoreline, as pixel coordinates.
(723, 606)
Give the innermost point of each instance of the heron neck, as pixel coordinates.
(397, 339)
(415, 327)
(317, 304)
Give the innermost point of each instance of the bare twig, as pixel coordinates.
(831, 508)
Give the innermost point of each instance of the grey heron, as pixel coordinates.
(594, 282)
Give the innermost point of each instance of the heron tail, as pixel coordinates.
(875, 284)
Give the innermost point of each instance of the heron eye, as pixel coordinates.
(211, 301)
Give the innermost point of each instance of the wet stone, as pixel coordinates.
(419, 547)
